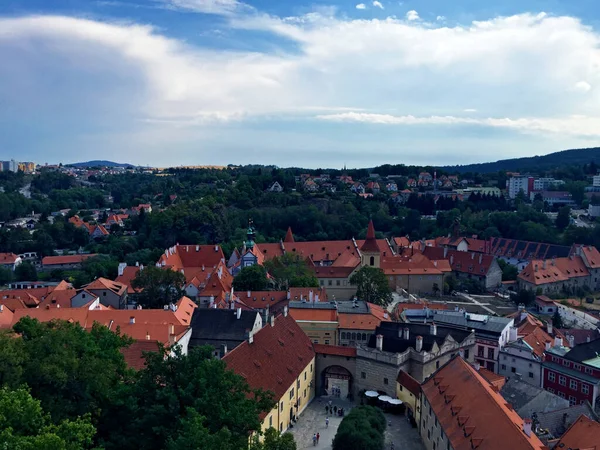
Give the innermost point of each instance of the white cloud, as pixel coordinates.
(573, 125)
(412, 15)
(470, 110)
(522, 68)
(361, 6)
(581, 86)
(440, 18)
(207, 6)
(377, 4)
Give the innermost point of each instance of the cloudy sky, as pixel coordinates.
(289, 82)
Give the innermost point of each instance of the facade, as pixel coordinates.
(279, 358)
(10, 260)
(518, 184)
(518, 360)
(416, 273)
(64, 262)
(110, 293)
(358, 321)
(544, 184)
(545, 305)
(461, 410)
(417, 349)
(556, 275)
(335, 371)
(317, 319)
(409, 391)
(573, 374)
(553, 198)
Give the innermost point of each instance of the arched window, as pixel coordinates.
(353, 336)
(364, 336)
(372, 261)
(343, 335)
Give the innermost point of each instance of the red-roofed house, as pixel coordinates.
(9, 260)
(409, 391)
(584, 434)
(64, 262)
(462, 411)
(279, 358)
(591, 259)
(415, 273)
(555, 275)
(110, 293)
(126, 275)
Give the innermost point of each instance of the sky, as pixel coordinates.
(325, 83)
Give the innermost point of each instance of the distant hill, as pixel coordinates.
(534, 163)
(100, 163)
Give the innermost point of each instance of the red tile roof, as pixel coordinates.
(584, 434)
(134, 354)
(591, 255)
(7, 258)
(58, 298)
(6, 317)
(129, 274)
(275, 359)
(416, 264)
(540, 272)
(468, 262)
(314, 314)
(493, 378)
(13, 303)
(68, 259)
(335, 350)
(332, 272)
(472, 413)
(192, 258)
(409, 383)
(370, 244)
(106, 284)
(289, 237)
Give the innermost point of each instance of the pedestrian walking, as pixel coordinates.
(326, 422)
(318, 437)
(315, 439)
(335, 409)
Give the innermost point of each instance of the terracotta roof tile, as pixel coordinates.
(409, 383)
(129, 274)
(336, 350)
(275, 349)
(592, 256)
(134, 354)
(68, 259)
(483, 420)
(6, 317)
(105, 283)
(191, 258)
(314, 314)
(7, 258)
(584, 434)
(370, 244)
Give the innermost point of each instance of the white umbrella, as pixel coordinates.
(385, 398)
(372, 394)
(395, 401)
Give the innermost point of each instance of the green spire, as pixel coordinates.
(250, 235)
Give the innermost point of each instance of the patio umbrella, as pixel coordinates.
(385, 398)
(372, 394)
(395, 401)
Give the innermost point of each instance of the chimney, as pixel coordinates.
(310, 296)
(1, 308)
(272, 320)
(285, 311)
(477, 366)
(571, 340)
(216, 248)
(58, 306)
(121, 268)
(472, 256)
(419, 344)
(549, 327)
(480, 258)
(147, 336)
(139, 307)
(523, 315)
(379, 342)
(544, 264)
(223, 350)
(513, 334)
(527, 427)
(433, 329)
(445, 252)
(316, 298)
(238, 313)
(289, 294)
(451, 259)
(232, 304)
(171, 329)
(249, 294)
(197, 247)
(588, 339)
(250, 338)
(558, 342)
(548, 345)
(406, 333)
(131, 320)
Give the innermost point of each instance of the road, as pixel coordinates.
(476, 302)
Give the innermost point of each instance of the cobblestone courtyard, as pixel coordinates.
(312, 421)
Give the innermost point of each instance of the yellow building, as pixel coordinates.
(319, 320)
(409, 391)
(278, 358)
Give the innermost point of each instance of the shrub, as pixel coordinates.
(362, 429)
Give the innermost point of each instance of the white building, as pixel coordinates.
(543, 184)
(596, 181)
(517, 184)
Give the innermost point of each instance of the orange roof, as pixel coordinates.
(304, 292)
(77, 315)
(592, 256)
(68, 259)
(185, 309)
(289, 237)
(363, 321)
(314, 314)
(346, 259)
(472, 413)
(583, 434)
(105, 283)
(129, 274)
(12, 303)
(493, 378)
(572, 267)
(58, 298)
(192, 258)
(336, 350)
(556, 270)
(275, 359)
(332, 272)
(370, 244)
(134, 354)
(416, 264)
(260, 299)
(6, 317)
(402, 241)
(7, 258)
(216, 285)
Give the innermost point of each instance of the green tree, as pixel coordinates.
(179, 399)
(362, 429)
(6, 276)
(290, 270)
(26, 272)
(274, 440)
(372, 285)
(43, 243)
(563, 218)
(251, 278)
(509, 271)
(25, 426)
(557, 321)
(158, 286)
(524, 297)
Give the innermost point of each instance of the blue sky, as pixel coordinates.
(315, 84)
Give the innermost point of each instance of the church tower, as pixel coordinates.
(370, 251)
(250, 235)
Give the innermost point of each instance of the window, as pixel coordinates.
(490, 353)
(104, 294)
(436, 422)
(530, 374)
(572, 400)
(513, 369)
(480, 350)
(504, 357)
(588, 370)
(400, 387)
(353, 336)
(292, 394)
(551, 390)
(326, 341)
(385, 381)
(562, 380)
(561, 394)
(530, 365)
(503, 366)
(513, 360)
(363, 375)
(437, 364)
(585, 389)
(343, 335)
(428, 434)
(364, 336)
(321, 282)
(573, 384)
(576, 367)
(304, 393)
(554, 359)
(329, 282)
(337, 282)
(281, 427)
(566, 363)
(270, 421)
(551, 377)
(281, 406)
(311, 368)
(466, 353)
(372, 261)
(315, 341)
(304, 376)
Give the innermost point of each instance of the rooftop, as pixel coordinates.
(559, 420)
(527, 399)
(583, 434)
(221, 325)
